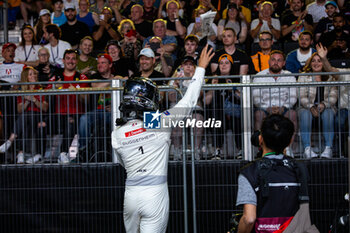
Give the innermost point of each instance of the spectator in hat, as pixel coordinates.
(10, 72)
(27, 51)
(56, 47)
(143, 27)
(131, 46)
(265, 22)
(86, 63)
(72, 2)
(244, 13)
(73, 30)
(57, 16)
(85, 16)
(44, 20)
(122, 66)
(232, 20)
(326, 24)
(105, 31)
(175, 24)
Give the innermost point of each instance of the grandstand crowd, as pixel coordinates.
(70, 40)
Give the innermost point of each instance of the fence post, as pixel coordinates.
(115, 111)
(247, 119)
(5, 21)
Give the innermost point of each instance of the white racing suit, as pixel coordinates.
(144, 153)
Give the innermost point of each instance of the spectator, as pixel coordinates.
(328, 39)
(261, 58)
(57, 47)
(163, 62)
(100, 116)
(317, 102)
(163, 9)
(30, 125)
(279, 100)
(188, 67)
(191, 45)
(122, 66)
(195, 28)
(241, 59)
(68, 107)
(149, 11)
(73, 30)
(147, 64)
(233, 20)
(45, 69)
(296, 22)
(124, 7)
(86, 64)
(174, 23)
(57, 16)
(10, 72)
(326, 24)
(339, 49)
(169, 42)
(12, 11)
(317, 10)
(27, 51)
(75, 3)
(343, 101)
(106, 31)
(98, 6)
(265, 22)
(244, 13)
(131, 46)
(89, 18)
(44, 20)
(297, 58)
(28, 6)
(143, 27)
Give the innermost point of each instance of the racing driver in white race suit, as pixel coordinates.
(144, 153)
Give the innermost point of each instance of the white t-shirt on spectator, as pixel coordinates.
(265, 27)
(56, 53)
(317, 11)
(28, 53)
(11, 72)
(302, 58)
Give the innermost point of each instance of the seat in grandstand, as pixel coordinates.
(340, 63)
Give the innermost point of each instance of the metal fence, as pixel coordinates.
(202, 182)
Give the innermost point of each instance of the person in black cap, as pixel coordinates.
(73, 30)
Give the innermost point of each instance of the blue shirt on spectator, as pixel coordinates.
(58, 20)
(87, 20)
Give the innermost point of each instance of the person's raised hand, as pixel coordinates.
(205, 57)
(321, 50)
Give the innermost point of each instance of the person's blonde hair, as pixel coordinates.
(25, 74)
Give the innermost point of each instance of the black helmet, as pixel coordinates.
(140, 94)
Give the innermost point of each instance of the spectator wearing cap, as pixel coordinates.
(317, 10)
(163, 11)
(328, 39)
(27, 51)
(296, 21)
(149, 11)
(188, 67)
(169, 42)
(10, 72)
(147, 63)
(175, 24)
(44, 20)
(73, 30)
(100, 116)
(244, 13)
(90, 18)
(72, 2)
(143, 27)
(56, 47)
(241, 60)
(164, 62)
(86, 63)
(265, 22)
(232, 20)
(195, 28)
(105, 31)
(261, 58)
(131, 46)
(57, 16)
(326, 24)
(68, 108)
(298, 57)
(122, 66)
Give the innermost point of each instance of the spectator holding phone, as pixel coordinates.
(131, 46)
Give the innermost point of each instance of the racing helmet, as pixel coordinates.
(140, 94)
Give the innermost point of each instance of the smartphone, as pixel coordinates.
(102, 17)
(198, 19)
(154, 46)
